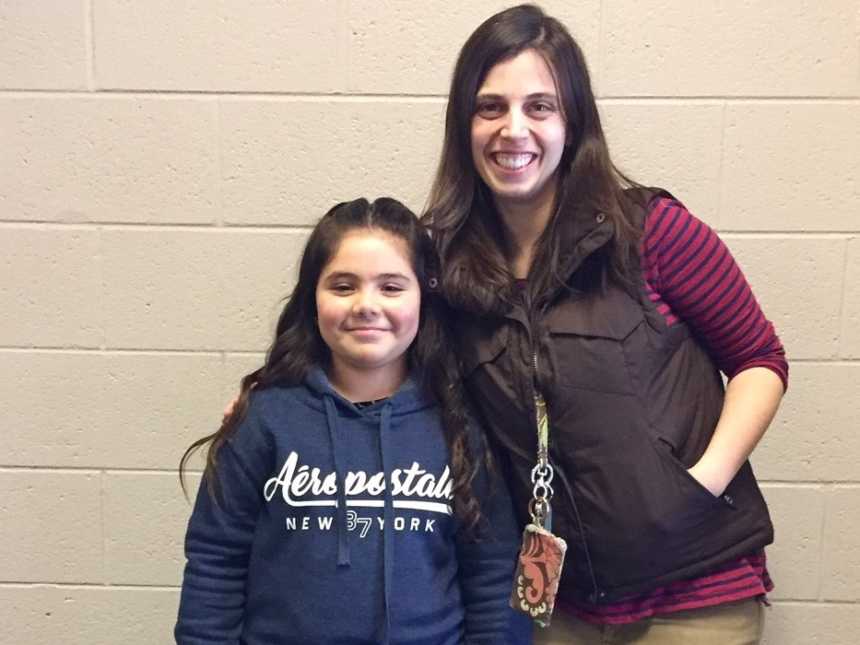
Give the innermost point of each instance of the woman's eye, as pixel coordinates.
(392, 288)
(341, 288)
(543, 108)
(489, 109)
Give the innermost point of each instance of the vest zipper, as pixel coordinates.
(597, 595)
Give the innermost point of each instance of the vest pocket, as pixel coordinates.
(589, 337)
(592, 360)
(688, 484)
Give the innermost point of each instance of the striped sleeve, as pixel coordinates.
(690, 275)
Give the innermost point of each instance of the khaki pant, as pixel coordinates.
(736, 623)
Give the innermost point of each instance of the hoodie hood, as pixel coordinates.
(409, 397)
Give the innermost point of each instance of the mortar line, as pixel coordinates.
(103, 521)
(100, 266)
(114, 351)
(94, 470)
(84, 585)
(219, 156)
(216, 352)
(809, 601)
(90, 37)
(843, 288)
(17, 584)
(842, 484)
(601, 48)
(720, 167)
(46, 225)
(107, 93)
(819, 583)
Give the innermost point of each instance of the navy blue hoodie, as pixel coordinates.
(288, 554)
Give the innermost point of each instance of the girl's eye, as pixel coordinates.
(392, 289)
(341, 288)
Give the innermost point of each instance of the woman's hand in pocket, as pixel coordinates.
(709, 477)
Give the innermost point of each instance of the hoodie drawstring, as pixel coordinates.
(343, 550)
(388, 521)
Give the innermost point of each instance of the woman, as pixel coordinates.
(615, 308)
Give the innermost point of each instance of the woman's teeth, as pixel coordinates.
(513, 161)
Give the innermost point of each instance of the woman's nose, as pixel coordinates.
(515, 126)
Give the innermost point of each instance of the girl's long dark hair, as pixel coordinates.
(460, 211)
(298, 346)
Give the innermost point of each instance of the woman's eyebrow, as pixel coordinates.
(530, 97)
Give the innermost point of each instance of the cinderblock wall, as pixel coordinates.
(160, 163)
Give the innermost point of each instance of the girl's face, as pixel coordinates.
(518, 131)
(368, 302)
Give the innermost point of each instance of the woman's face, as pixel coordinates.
(518, 131)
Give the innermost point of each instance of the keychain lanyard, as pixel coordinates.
(542, 474)
(542, 554)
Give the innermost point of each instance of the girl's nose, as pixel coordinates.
(365, 305)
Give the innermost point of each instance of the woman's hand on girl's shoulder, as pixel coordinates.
(232, 405)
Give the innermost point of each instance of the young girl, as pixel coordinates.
(611, 308)
(325, 511)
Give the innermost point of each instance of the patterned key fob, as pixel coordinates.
(538, 573)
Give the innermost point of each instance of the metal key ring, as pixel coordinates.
(544, 473)
(538, 509)
(542, 490)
